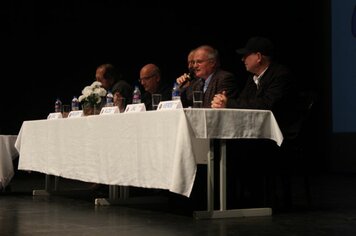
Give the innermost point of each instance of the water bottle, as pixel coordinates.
(109, 99)
(58, 105)
(136, 96)
(175, 92)
(75, 104)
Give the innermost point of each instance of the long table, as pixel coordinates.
(8, 153)
(222, 124)
(153, 149)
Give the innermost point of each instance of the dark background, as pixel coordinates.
(51, 49)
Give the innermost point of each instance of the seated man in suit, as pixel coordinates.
(208, 77)
(112, 80)
(270, 86)
(151, 81)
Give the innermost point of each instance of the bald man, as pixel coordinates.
(150, 79)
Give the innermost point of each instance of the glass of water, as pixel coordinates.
(156, 99)
(197, 99)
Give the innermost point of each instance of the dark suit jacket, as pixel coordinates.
(276, 92)
(220, 81)
(164, 89)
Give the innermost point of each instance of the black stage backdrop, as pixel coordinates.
(51, 49)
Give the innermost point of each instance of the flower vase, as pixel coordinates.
(90, 109)
(97, 109)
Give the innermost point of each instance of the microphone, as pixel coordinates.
(190, 77)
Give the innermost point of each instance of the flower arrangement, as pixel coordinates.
(91, 98)
(91, 95)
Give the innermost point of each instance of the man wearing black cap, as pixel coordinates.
(270, 86)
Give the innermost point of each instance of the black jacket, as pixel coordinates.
(276, 92)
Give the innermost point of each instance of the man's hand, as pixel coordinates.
(219, 100)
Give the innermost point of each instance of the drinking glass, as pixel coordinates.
(156, 99)
(197, 99)
(65, 111)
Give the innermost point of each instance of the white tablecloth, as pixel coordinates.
(234, 124)
(7, 154)
(154, 149)
(145, 149)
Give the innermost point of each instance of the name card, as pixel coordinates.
(54, 115)
(135, 107)
(170, 105)
(75, 114)
(109, 110)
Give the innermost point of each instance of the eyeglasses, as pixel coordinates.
(199, 62)
(146, 78)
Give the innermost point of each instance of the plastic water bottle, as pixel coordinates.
(109, 99)
(136, 96)
(58, 105)
(175, 92)
(75, 104)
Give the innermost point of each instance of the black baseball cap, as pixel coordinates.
(257, 44)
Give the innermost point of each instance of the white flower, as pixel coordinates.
(92, 94)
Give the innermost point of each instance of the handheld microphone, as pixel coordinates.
(190, 77)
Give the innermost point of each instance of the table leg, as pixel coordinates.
(210, 178)
(223, 212)
(222, 175)
(116, 195)
(119, 195)
(48, 187)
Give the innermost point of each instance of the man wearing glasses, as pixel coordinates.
(150, 79)
(208, 77)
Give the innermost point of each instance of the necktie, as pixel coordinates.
(203, 87)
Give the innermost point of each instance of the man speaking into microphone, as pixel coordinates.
(206, 75)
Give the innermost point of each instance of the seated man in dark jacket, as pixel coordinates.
(150, 79)
(270, 86)
(208, 77)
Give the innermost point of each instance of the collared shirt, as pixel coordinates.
(256, 78)
(207, 81)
